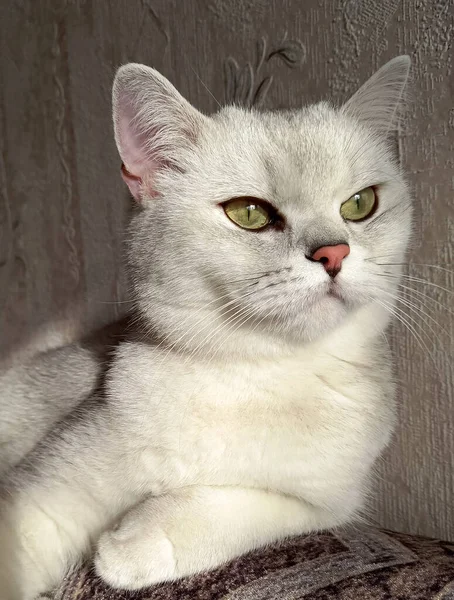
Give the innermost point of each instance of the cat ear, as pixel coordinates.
(376, 102)
(153, 125)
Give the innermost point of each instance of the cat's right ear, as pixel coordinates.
(376, 103)
(153, 125)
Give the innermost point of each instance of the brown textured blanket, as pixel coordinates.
(353, 564)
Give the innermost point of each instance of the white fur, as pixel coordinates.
(226, 435)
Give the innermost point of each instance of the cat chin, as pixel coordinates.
(318, 320)
(329, 313)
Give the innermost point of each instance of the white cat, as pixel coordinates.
(261, 394)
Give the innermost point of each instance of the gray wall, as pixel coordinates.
(63, 204)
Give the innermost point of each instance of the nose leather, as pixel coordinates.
(331, 257)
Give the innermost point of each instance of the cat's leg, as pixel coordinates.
(196, 529)
(56, 505)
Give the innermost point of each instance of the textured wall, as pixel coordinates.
(62, 203)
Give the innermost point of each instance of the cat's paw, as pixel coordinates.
(135, 559)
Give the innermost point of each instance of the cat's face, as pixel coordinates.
(206, 268)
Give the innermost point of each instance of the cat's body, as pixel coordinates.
(259, 411)
(216, 423)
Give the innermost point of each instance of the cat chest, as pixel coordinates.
(284, 437)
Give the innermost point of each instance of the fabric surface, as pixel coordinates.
(366, 564)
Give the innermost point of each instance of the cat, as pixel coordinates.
(260, 391)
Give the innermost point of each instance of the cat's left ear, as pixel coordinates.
(376, 102)
(154, 126)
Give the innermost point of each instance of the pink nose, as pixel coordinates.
(331, 257)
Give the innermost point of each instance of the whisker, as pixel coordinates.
(403, 318)
(416, 310)
(208, 324)
(254, 279)
(232, 308)
(114, 301)
(416, 279)
(413, 264)
(239, 323)
(203, 308)
(212, 334)
(233, 325)
(260, 275)
(409, 290)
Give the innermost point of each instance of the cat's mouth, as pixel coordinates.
(334, 291)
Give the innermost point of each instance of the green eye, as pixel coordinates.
(248, 213)
(359, 206)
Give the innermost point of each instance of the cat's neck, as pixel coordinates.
(357, 330)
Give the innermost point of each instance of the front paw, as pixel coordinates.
(135, 559)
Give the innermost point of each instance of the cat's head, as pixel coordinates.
(261, 225)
